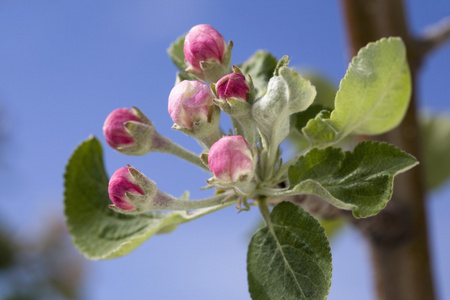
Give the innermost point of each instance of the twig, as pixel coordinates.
(433, 37)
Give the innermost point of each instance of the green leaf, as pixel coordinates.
(435, 134)
(176, 53)
(290, 258)
(326, 90)
(260, 67)
(287, 94)
(300, 119)
(283, 62)
(324, 101)
(372, 97)
(360, 181)
(97, 231)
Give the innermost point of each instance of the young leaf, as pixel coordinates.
(283, 62)
(176, 53)
(290, 258)
(326, 90)
(300, 119)
(435, 134)
(324, 100)
(372, 97)
(260, 67)
(287, 94)
(360, 181)
(97, 231)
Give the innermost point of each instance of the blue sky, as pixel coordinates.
(65, 65)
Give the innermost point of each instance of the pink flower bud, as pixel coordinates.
(114, 129)
(230, 159)
(232, 86)
(121, 183)
(203, 43)
(190, 103)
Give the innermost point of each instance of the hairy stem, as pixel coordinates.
(167, 146)
(181, 204)
(263, 205)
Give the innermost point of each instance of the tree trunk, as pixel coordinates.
(398, 235)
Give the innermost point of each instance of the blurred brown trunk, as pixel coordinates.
(398, 235)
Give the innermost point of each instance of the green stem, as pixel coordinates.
(209, 140)
(277, 192)
(237, 126)
(248, 130)
(221, 199)
(263, 205)
(272, 156)
(167, 146)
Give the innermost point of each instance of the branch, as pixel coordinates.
(434, 36)
(401, 258)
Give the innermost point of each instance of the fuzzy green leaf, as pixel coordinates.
(176, 53)
(360, 181)
(324, 100)
(300, 119)
(97, 231)
(260, 67)
(326, 90)
(290, 258)
(283, 62)
(372, 98)
(287, 93)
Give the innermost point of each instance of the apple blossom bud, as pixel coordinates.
(114, 130)
(207, 55)
(133, 193)
(235, 97)
(232, 86)
(120, 184)
(129, 131)
(203, 43)
(191, 103)
(230, 159)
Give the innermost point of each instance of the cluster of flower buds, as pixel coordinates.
(237, 162)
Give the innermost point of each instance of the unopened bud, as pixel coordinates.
(132, 192)
(203, 43)
(230, 159)
(234, 97)
(129, 131)
(121, 184)
(191, 103)
(206, 53)
(232, 86)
